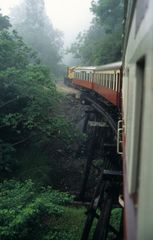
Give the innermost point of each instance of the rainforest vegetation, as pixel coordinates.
(31, 127)
(102, 42)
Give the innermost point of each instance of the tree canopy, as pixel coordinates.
(101, 43)
(28, 99)
(33, 24)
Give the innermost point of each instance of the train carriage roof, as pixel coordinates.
(84, 68)
(115, 65)
(89, 69)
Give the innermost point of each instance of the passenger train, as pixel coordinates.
(128, 85)
(105, 80)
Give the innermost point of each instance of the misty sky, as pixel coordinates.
(69, 16)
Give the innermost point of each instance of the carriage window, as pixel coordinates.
(111, 81)
(114, 81)
(103, 79)
(137, 126)
(91, 76)
(81, 75)
(100, 79)
(118, 79)
(107, 80)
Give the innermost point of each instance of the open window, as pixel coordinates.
(136, 127)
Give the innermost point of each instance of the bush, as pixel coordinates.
(26, 212)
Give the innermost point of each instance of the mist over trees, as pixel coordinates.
(102, 42)
(33, 24)
(28, 101)
(31, 134)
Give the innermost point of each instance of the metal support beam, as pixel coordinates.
(97, 124)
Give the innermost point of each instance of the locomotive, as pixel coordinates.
(128, 85)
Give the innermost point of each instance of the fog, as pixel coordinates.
(69, 16)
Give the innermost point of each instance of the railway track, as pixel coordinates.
(108, 188)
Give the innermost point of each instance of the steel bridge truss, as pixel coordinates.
(106, 193)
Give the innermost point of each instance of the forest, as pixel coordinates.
(34, 134)
(102, 42)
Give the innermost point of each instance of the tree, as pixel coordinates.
(101, 44)
(28, 100)
(108, 13)
(34, 26)
(4, 23)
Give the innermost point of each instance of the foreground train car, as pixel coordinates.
(138, 119)
(107, 82)
(134, 92)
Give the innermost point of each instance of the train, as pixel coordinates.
(104, 80)
(128, 85)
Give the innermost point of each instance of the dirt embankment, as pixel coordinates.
(69, 163)
(71, 107)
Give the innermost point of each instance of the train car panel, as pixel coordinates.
(107, 93)
(107, 82)
(138, 116)
(137, 101)
(83, 77)
(85, 84)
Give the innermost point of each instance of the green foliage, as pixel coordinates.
(69, 226)
(102, 43)
(64, 130)
(7, 159)
(4, 23)
(109, 13)
(115, 221)
(28, 101)
(116, 218)
(27, 212)
(56, 235)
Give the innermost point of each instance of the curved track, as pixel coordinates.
(102, 110)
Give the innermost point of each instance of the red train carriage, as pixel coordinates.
(137, 112)
(107, 82)
(83, 77)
